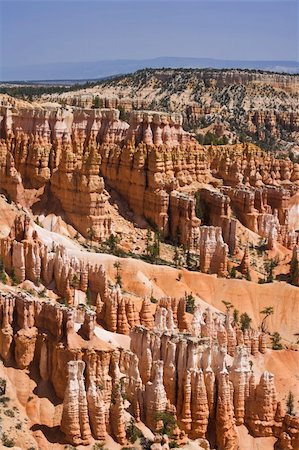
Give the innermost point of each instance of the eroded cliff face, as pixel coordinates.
(228, 103)
(160, 172)
(197, 371)
(201, 369)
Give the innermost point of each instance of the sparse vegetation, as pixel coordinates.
(211, 139)
(268, 311)
(201, 210)
(261, 247)
(123, 115)
(7, 441)
(188, 259)
(294, 272)
(236, 316)
(118, 278)
(153, 299)
(96, 102)
(62, 301)
(177, 258)
(2, 386)
(3, 277)
(190, 303)
(13, 277)
(233, 272)
(133, 433)
(90, 234)
(4, 401)
(227, 305)
(290, 404)
(245, 321)
(168, 422)
(276, 341)
(111, 244)
(88, 297)
(269, 269)
(42, 294)
(248, 276)
(37, 221)
(9, 413)
(98, 446)
(75, 282)
(152, 246)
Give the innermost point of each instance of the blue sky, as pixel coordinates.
(38, 32)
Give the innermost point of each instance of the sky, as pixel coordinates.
(39, 32)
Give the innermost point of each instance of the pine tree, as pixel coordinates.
(188, 259)
(90, 234)
(118, 278)
(276, 344)
(268, 311)
(96, 102)
(294, 272)
(176, 256)
(290, 404)
(236, 316)
(245, 320)
(148, 242)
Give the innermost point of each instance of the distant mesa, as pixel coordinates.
(88, 70)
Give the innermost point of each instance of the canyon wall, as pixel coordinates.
(158, 169)
(197, 371)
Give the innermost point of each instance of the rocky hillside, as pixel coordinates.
(241, 105)
(148, 284)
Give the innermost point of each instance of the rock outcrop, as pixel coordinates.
(75, 421)
(154, 165)
(213, 251)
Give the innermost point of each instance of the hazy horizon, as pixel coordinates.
(35, 33)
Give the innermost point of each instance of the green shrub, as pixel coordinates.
(88, 297)
(173, 444)
(62, 301)
(275, 339)
(3, 277)
(236, 316)
(168, 420)
(153, 299)
(294, 272)
(118, 278)
(152, 247)
(290, 404)
(269, 268)
(14, 278)
(9, 413)
(96, 103)
(2, 386)
(133, 433)
(248, 276)
(190, 303)
(4, 400)
(233, 272)
(42, 294)
(245, 321)
(7, 441)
